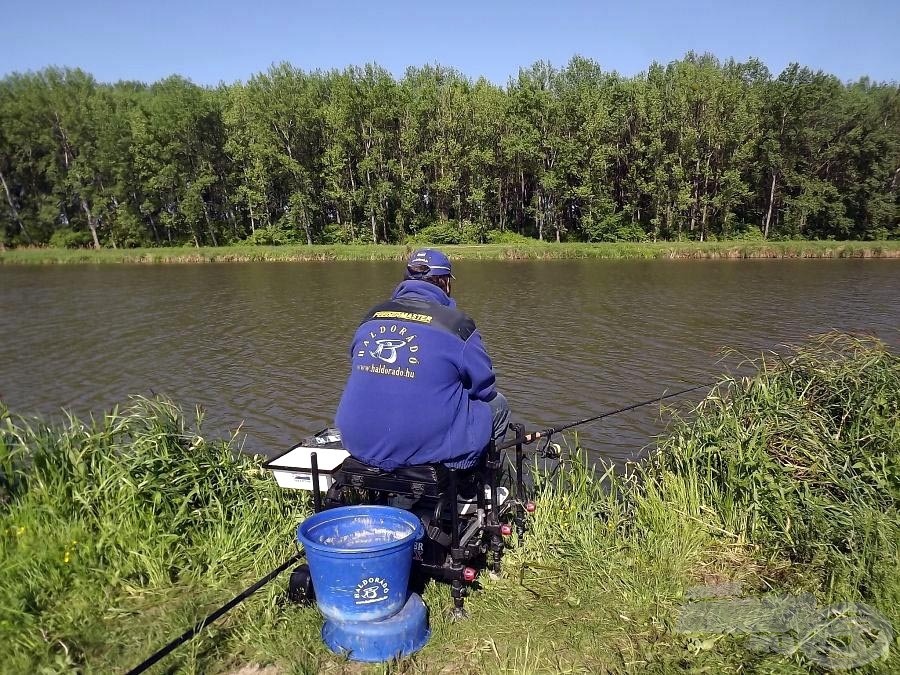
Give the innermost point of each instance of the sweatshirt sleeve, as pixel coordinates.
(478, 372)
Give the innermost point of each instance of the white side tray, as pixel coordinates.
(293, 469)
(466, 508)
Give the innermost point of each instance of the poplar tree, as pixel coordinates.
(693, 149)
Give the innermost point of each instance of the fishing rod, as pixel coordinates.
(547, 433)
(200, 625)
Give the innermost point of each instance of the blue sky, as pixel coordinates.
(230, 40)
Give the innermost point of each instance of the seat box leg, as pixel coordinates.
(458, 593)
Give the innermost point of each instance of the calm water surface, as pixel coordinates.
(263, 347)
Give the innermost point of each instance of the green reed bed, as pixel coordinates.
(520, 249)
(117, 535)
(804, 460)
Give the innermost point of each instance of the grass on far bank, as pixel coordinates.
(117, 534)
(532, 250)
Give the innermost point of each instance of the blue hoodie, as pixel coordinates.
(419, 384)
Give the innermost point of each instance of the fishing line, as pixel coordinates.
(549, 450)
(547, 433)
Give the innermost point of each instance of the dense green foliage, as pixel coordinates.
(697, 149)
(118, 534)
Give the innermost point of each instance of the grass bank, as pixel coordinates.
(118, 533)
(521, 251)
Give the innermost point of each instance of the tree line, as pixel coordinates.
(696, 149)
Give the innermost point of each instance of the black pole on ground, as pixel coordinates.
(199, 626)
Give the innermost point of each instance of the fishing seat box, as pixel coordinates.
(424, 480)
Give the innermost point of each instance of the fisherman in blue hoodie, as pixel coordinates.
(421, 386)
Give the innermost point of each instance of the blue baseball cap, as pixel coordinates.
(437, 263)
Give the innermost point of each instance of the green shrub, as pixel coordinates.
(745, 232)
(333, 234)
(473, 233)
(69, 238)
(440, 234)
(450, 232)
(507, 237)
(274, 235)
(614, 227)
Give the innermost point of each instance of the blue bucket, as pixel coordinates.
(395, 637)
(359, 559)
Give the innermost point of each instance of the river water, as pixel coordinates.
(263, 346)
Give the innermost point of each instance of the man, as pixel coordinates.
(421, 386)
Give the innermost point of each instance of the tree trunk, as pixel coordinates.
(209, 226)
(522, 201)
(501, 215)
(540, 217)
(229, 214)
(67, 149)
(153, 227)
(305, 217)
(91, 223)
(13, 208)
(705, 199)
(703, 222)
(695, 207)
(667, 223)
(112, 235)
(371, 203)
(350, 199)
(771, 204)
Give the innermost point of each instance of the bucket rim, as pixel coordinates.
(356, 510)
